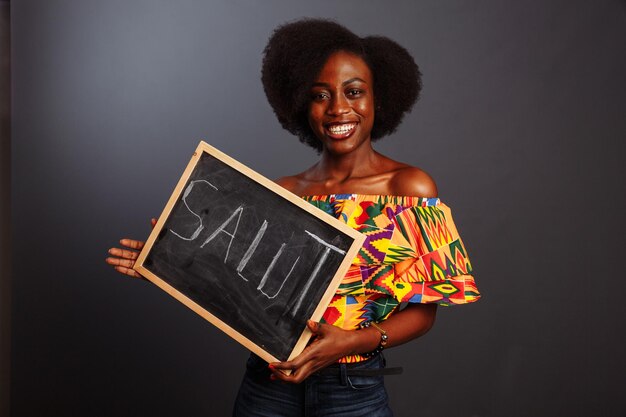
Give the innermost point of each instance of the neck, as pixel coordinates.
(341, 167)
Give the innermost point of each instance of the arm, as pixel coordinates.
(332, 343)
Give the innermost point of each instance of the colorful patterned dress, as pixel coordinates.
(412, 253)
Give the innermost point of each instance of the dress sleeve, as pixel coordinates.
(416, 255)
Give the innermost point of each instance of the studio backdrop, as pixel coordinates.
(520, 122)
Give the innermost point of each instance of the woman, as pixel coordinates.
(338, 92)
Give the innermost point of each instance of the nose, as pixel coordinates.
(338, 105)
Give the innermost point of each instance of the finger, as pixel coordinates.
(133, 244)
(314, 327)
(293, 364)
(124, 253)
(296, 363)
(126, 263)
(282, 366)
(280, 375)
(128, 271)
(295, 377)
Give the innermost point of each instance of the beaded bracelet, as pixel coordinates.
(383, 338)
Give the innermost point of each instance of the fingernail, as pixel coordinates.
(273, 377)
(271, 366)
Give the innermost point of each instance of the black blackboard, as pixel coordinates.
(249, 256)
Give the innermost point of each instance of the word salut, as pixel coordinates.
(317, 248)
(247, 255)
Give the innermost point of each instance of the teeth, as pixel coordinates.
(341, 129)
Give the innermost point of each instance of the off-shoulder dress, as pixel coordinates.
(412, 254)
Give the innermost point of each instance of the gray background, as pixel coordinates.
(521, 123)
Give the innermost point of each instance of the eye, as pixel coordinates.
(354, 92)
(319, 96)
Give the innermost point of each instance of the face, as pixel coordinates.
(341, 110)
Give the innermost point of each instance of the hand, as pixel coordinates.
(330, 344)
(123, 259)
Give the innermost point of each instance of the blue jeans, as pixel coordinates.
(317, 396)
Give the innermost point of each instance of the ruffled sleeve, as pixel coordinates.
(412, 251)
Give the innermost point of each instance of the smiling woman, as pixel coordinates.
(338, 92)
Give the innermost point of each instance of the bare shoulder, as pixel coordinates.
(291, 182)
(412, 181)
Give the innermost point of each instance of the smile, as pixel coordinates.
(340, 130)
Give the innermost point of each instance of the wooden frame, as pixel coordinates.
(270, 187)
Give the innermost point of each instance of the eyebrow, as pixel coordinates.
(351, 80)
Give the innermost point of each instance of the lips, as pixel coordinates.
(340, 130)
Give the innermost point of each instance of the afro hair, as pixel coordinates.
(296, 53)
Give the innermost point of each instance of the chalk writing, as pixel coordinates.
(222, 228)
(185, 195)
(246, 254)
(246, 257)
